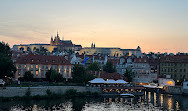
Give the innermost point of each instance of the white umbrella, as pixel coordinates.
(111, 81)
(120, 81)
(98, 80)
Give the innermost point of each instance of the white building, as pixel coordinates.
(139, 66)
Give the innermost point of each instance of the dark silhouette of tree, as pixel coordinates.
(53, 76)
(93, 67)
(21, 48)
(79, 74)
(129, 75)
(7, 67)
(28, 76)
(28, 49)
(109, 67)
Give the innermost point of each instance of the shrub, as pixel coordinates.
(28, 92)
(48, 92)
(71, 93)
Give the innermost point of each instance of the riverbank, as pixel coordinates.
(71, 93)
(43, 90)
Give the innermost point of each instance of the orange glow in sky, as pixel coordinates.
(158, 26)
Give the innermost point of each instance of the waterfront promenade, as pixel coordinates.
(17, 91)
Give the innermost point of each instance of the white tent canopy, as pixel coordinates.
(120, 81)
(110, 81)
(98, 80)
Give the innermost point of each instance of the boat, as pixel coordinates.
(127, 95)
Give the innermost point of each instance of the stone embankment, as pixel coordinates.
(17, 91)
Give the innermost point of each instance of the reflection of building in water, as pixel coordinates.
(170, 103)
(35, 108)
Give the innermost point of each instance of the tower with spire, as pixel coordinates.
(92, 45)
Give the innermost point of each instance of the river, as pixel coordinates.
(150, 101)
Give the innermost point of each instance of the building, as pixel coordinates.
(174, 66)
(56, 44)
(40, 64)
(115, 52)
(139, 66)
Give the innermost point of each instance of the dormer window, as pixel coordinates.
(46, 60)
(32, 60)
(53, 61)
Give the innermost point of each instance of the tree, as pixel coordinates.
(129, 75)
(28, 49)
(21, 48)
(53, 76)
(28, 76)
(109, 67)
(79, 74)
(7, 68)
(93, 67)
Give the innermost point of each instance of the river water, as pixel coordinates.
(150, 101)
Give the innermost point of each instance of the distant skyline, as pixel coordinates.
(154, 25)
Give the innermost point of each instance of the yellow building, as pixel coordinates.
(40, 64)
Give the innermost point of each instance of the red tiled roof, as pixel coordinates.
(91, 56)
(42, 59)
(106, 75)
(114, 61)
(141, 60)
(175, 59)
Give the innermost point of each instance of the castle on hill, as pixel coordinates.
(55, 44)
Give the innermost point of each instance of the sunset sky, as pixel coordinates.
(154, 25)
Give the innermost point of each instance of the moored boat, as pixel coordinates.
(127, 95)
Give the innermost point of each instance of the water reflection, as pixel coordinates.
(150, 101)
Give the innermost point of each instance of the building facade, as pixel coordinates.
(115, 52)
(174, 66)
(40, 64)
(140, 68)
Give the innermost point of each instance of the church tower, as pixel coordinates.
(92, 45)
(51, 42)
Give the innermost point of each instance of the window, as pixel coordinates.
(37, 72)
(25, 66)
(32, 60)
(31, 66)
(37, 66)
(184, 70)
(171, 70)
(180, 70)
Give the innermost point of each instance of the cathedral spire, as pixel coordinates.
(57, 35)
(92, 45)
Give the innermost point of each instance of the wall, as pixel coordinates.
(17, 91)
(174, 89)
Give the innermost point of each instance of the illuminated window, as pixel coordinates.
(31, 66)
(37, 66)
(32, 60)
(25, 66)
(37, 72)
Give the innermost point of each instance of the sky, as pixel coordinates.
(154, 25)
